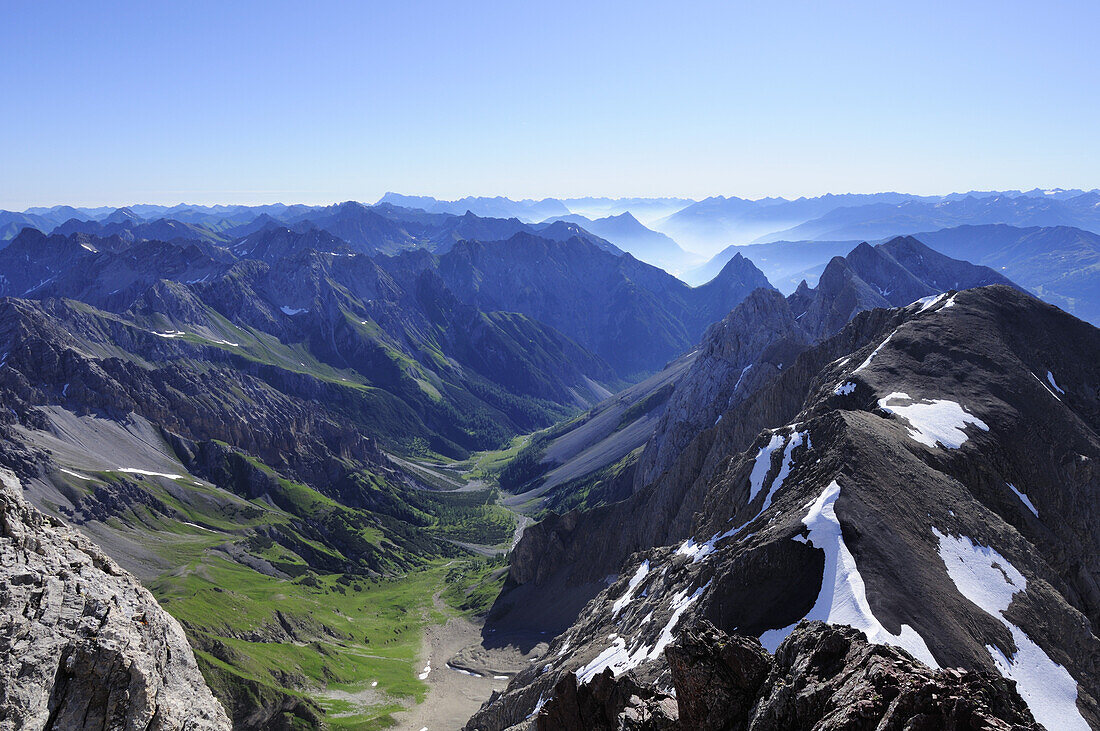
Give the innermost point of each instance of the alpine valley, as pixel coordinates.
(572, 463)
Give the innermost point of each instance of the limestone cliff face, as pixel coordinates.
(737, 355)
(82, 644)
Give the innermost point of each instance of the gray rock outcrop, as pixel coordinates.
(83, 645)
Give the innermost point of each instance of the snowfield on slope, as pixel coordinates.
(843, 595)
(987, 579)
(933, 421)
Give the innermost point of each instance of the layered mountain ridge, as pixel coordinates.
(881, 481)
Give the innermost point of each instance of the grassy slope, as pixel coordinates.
(324, 637)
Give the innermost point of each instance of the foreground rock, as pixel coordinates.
(82, 644)
(822, 677)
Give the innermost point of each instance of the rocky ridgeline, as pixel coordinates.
(925, 475)
(82, 644)
(822, 677)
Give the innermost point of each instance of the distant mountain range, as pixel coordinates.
(1061, 264)
(877, 220)
(656, 227)
(628, 234)
(313, 431)
(714, 223)
(530, 211)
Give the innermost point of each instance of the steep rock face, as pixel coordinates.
(84, 645)
(926, 475)
(703, 423)
(827, 677)
(823, 678)
(892, 274)
(633, 315)
(737, 354)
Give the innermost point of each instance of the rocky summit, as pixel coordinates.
(82, 644)
(926, 476)
(821, 677)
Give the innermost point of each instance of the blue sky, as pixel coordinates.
(253, 102)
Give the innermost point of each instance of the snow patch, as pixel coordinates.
(843, 595)
(740, 378)
(464, 672)
(699, 551)
(936, 421)
(534, 712)
(292, 310)
(200, 527)
(615, 657)
(928, 302)
(77, 475)
(637, 578)
(680, 604)
(619, 659)
(148, 473)
(844, 389)
(763, 465)
(987, 579)
(1023, 499)
(1050, 377)
(1040, 380)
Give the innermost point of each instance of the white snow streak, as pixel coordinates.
(680, 603)
(843, 595)
(638, 577)
(1023, 499)
(844, 389)
(699, 551)
(619, 659)
(1050, 377)
(292, 310)
(1040, 380)
(881, 345)
(929, 301)
(763, 465)
(740, 378)
(148, 473)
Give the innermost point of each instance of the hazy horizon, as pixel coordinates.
(375, 200)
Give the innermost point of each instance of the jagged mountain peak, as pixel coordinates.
(880, 481)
